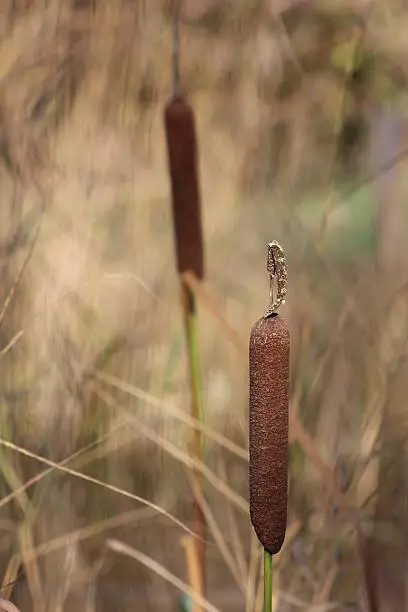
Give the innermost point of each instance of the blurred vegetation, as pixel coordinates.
(301, 113)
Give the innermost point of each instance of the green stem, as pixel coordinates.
(190, 317)
(192, 340)
(267, 581)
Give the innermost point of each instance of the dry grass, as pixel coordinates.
(92, 354)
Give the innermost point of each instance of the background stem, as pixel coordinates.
(190, 323)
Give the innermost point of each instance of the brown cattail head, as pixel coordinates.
(182, 156)
(268, 429)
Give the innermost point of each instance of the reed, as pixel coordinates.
(186, 208)
(269, 422)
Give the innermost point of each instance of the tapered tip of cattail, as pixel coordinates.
(185, 188)
(268, 429)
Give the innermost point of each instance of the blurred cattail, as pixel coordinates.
(182, 157)
(268, 424)
(186, 204)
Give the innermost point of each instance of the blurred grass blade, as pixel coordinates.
(138, 393)
(95, 481)
(161, 571)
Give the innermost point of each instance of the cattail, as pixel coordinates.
(182, 157)
(269, 417)
(186, 204)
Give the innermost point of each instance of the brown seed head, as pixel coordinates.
(268, 430)
(182, 156)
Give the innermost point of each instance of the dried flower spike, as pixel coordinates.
(268, 424)
(277, 269)
(182, 157)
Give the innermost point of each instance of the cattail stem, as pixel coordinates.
(267, 581)
(190, 323)
(189, 308)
